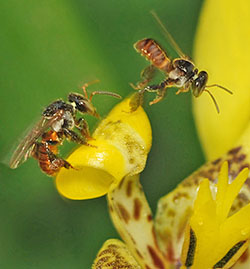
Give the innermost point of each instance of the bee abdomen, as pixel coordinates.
(45, 163)
(150, 49)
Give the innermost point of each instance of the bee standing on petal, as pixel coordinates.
(57, 124)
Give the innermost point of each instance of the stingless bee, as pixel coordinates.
(180, 72)
(57, 123)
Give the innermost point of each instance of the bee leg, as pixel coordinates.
(136, 100)
(160, 95)
(66, 164)
(147, 75)
(53, 158)
(82, 125)
(160, 89)
(71, 135)
(182, 90)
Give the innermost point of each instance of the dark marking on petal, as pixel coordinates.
(111, 209)
(137, 208)
(123, 212)
(243, 166)
(121, 183)
(171, 213)
(242, 196)
(149, 217)
(131, 160)
(154, 237)
(191, 249)
(102, 261)
(211, 171)
(229, 255)
(132, 238)
(244, 257)
(216, 161)
(234, 150)
(241, 158)
(247, 182)
(180, 195)
(139, 253)
(111, 258)
(156, 259)
(170, 253)
(129, 188)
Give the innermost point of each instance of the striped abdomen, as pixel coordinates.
(50, 165)
(150, 49)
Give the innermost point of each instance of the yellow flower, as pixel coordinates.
(222, 48)
(201, 217)
(213, 237)
(119, 147)
(204, 222)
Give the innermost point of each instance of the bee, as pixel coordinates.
(56, 124)
(45, 153)
(180, 72)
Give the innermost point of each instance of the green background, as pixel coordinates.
(49, 48)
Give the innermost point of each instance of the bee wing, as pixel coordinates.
(169, 36)
(24, 149)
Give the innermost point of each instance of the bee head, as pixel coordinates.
(199, 84)
(82, 104)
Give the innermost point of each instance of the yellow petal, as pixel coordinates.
(230, 193)
(222, 49)
(122, 143)
(114, 254)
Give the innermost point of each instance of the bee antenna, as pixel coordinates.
(167, 34)
(84, 87)
(215, 103)
(105, 93)
(221, 87)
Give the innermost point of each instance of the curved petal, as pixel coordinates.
(121, 144)
(114, 254)
(222, 49)
(132, 218)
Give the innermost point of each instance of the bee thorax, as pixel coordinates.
(178, 75)
(57, 126)
(68, 120)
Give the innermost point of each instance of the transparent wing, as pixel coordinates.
(23, 150)
(169, 36)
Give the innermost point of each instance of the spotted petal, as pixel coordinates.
(175, 208)
(132, 218)
(115, 254)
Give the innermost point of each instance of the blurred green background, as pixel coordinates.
(49, 48)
